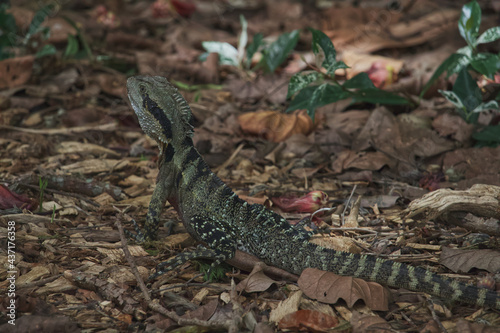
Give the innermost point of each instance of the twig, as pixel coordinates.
(237, 310)
(131, 261)
(230, 159)
(154, 304)
(435, 317)
(63, 131)
(347, 204)
(67, 194)
(39, 282)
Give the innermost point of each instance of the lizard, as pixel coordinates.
(222, 222)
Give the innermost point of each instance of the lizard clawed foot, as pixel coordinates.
(201, 252)
(138, 236)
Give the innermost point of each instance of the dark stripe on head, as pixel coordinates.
(159, 115)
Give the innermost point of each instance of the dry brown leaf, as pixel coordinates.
(462, 261)
(368, 323)
(15, 71)
(328, 287)
(370, 36)
(309, 321)
(256, 281)
(275, 126)
(362, 62)
(338, 243)
(204, 312)
(349, 159)
(464, 326)
(112, 84)
(402, 137)
(454, 126)
(477, 165)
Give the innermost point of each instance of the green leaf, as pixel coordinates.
(320, 40)
(490, 105)
(490, 136)
(47, 49)
(466, 89)
(276, 53)
(87, 52)
(469, 23)
(486, 63)
(5, 54)
(37, 21)
(253, 47)
(299, 81)
(313, 97)
(360, 81)
(72, 46)
(243, 40)
(378, 96)
(452, 98)
(453, 64)
(490, 35)
(7, 23)
(466, 51)
(228, 54)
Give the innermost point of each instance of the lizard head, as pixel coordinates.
(163, 113)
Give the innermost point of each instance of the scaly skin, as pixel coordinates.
(214, 215)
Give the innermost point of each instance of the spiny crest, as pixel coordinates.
(185, 111)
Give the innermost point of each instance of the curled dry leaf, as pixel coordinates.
(464, 260)
(276, 126)
(328, 287)
(308, 321)
(368, 323)
(256, 281)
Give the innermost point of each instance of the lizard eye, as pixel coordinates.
(142, 89)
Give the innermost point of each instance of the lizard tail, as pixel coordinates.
(395, 274)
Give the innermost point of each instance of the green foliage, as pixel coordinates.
(468, 57)
(466, 96)
(274, 54)
(321, 42)
(7, 28)
(469, 22)
(489, 136)
(257, 42)
(277, 52)
(10, 40)
(42, 184)
(228, 54)
(316, 89)
(36, 23)
(213, 274)
(73, 49)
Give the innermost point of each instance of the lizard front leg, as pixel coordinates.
(220, 246)
(156, 205)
